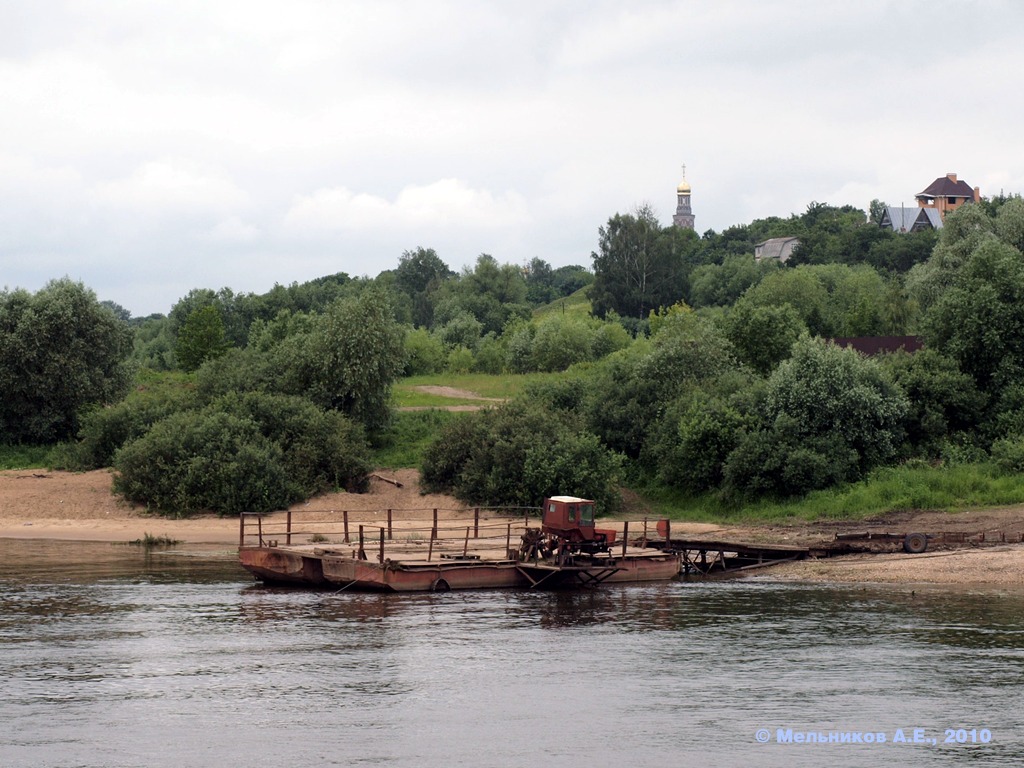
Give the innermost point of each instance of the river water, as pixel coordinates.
(110, 656)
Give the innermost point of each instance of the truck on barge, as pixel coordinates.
(565, 550)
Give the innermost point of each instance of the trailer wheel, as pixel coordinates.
(440, 586)
(915, 543)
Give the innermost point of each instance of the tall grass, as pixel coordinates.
(577, 303)
(24, 456)
(403, 444)
(890, 489)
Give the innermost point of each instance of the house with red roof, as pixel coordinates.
(946, 194)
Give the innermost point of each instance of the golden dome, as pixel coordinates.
(684, 187)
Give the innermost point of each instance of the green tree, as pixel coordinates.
(345, 359)
(493, 293)
(201, 338)
(540, 282)
(349, 359)
(419, 276)
(979, 318)
(424, 353)
(763, 335)
(699, 433)
(716, 285)
(639, 266)
(1010, 223)
(801, 289)
(61, 352)
(569, 279)
(153, 346)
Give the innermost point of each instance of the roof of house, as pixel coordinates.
(947, 187)
(903, 219)
(776, 248)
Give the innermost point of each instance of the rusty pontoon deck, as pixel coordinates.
(479, 549)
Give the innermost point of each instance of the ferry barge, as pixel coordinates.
(565, 550)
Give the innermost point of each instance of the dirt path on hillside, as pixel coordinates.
(455, 394)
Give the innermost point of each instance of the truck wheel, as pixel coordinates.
(915, 543)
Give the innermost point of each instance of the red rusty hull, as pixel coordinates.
(324, 569)
(425, 577)
(282, 566)
(647, 569)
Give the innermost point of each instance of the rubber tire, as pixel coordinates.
(915, 543)
(440, 586)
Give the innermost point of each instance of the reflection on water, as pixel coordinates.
(114, 657)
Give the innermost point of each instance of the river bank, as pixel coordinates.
(38, 504)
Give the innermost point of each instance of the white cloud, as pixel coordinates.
(234, 230)
(442, 204)
(171, 186)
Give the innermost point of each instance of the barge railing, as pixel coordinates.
(446, 533)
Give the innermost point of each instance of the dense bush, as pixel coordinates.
(1008, 454)
(105, 430)
(631, 390)
(783, 461)
(943, 401)
(519, 454)
(828, 415)
(696, 437)
(763, 335)
(242, 453)
(203, 460)
(424, 353)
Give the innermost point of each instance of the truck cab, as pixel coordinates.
(572, 518)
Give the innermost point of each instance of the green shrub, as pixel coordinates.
(460, 361)
(463, 330)
(781, 463)
(519, 454)
(698, 436)
(105, 430)
(203, 460)
(828, 416)
(490, 355)
(424, 353)
(1008, 454)
(252, 452)
(519, 347)
(560, 341)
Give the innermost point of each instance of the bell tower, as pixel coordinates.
(684, 216)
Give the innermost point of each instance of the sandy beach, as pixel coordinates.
(41, 504)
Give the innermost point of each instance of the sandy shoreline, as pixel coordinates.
(37, 504)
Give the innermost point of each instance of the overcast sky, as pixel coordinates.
(148, 148)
